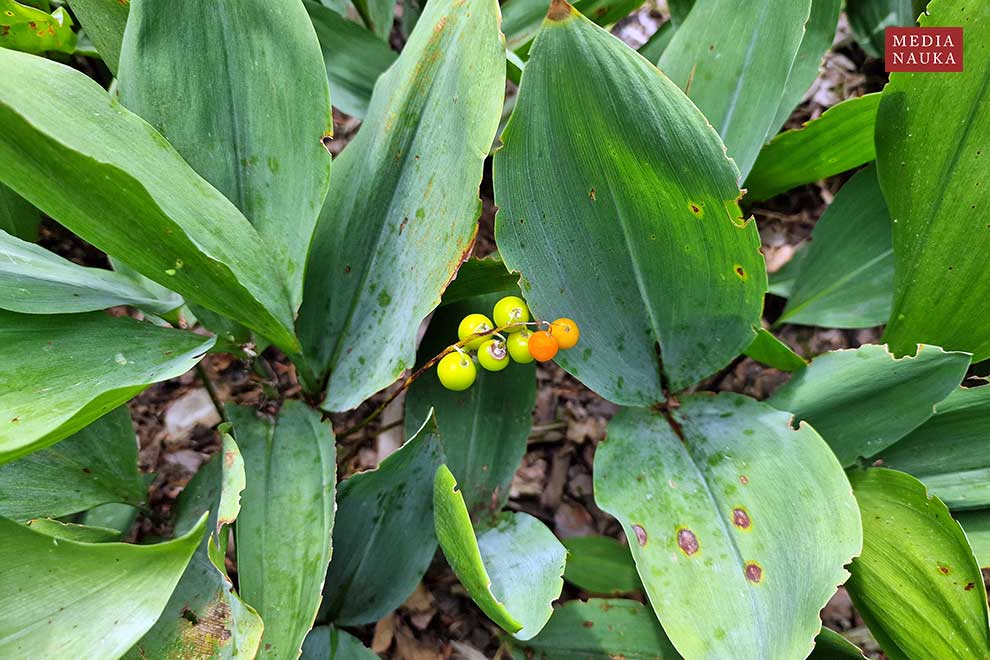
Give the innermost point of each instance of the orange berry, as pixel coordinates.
(566, 332)
(542, 346)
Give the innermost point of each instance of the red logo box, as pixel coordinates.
(936, 49)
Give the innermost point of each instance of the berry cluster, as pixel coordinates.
(479, 335)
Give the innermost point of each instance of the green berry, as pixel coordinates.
(518, 347)
(511, 309)
(493, 356)
(456, 371)
(473, 324)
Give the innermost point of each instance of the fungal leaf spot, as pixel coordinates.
(696, 209)
(640, 535)
(740, 518)
(743, 479)
(754, 572)
(740, 273)
(687, 541)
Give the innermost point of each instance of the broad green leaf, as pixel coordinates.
(484, 428)
(781, 282)
(700, 494)
(72, 531)
(512, 570)
(59, 373)
(95, 466)
(600, 565)
(870, 18)
(950, 452)
(383, 537)
(104, 22)
(863, 400)
(17, 216)
(631, 229)
(93, 599)
(261, 62)
(830, 645)
(679, 10)
(286, 519)
(734, 64)
(377, 16)
(101, 171)
(521, 19)
(31, 30)
(772, 352)
(819, 32)
(599, 629)
(116, 516)
(354, 58)
(934, 176)
(330, 643)
(402, 209)
(916, 584)
(841, 139)
(976, 524)
(658, 41)
(34, 280)
(847, 276)
(476, 277)
(204, 618)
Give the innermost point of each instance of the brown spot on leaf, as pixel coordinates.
(944, 570)
(588, 624)
(402, 225)
(559, 10)
(591, 194)
(687, 541)
(969, 586)
(754, 572)
(743, 479)
(740, 273)
(740, 518)
(640, 535)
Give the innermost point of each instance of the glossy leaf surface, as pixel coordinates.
(101, 171)
(839, 140)
(104, 22)
(96, 599)
(630, 229)
(847, 277)
(383, 537)
(512, 570)
(869, 19)
(96, 465)
(17, 216)
(864, 400)
(916, 584)
(702, 501)
(735, 64)
(61, 372)
(934, 176)
(286, 520)
(600, 565)
(402, 209)
(772, 352)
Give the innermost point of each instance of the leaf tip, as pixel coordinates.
(560, 10)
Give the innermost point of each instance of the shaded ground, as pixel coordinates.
(174, 420)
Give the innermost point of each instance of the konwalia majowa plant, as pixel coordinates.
(191, 143)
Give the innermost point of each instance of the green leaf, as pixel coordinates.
(101, 171)
(645, 243)
(116, 516)
(848, 274)
(772, 352)
(205, 618)
(864, 400)
(599, 629)
(819, 32)
(354, 58)
(600, 565)
(96, 599)
(976, 524)
(265, 150)
(658, 42)
(59, 373)
(104, 22)
(34, 31)
(512, 570)
(734, 65)
(782, 280)
(916, 584)
(950, 452)
(521, 19)
(402, 209)
(34, 280)
(869, 19)
(330, 643)
(841, 139)
(383, 537)
(95, 466)
(72, 531)
(484, 428)
(699, 493)
(286, 519)
(679, 10)
(934, 176)
(17, 216)
(377, 16)
(830, 645)
(476, 277)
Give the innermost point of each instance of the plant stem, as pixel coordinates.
(212, 391)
